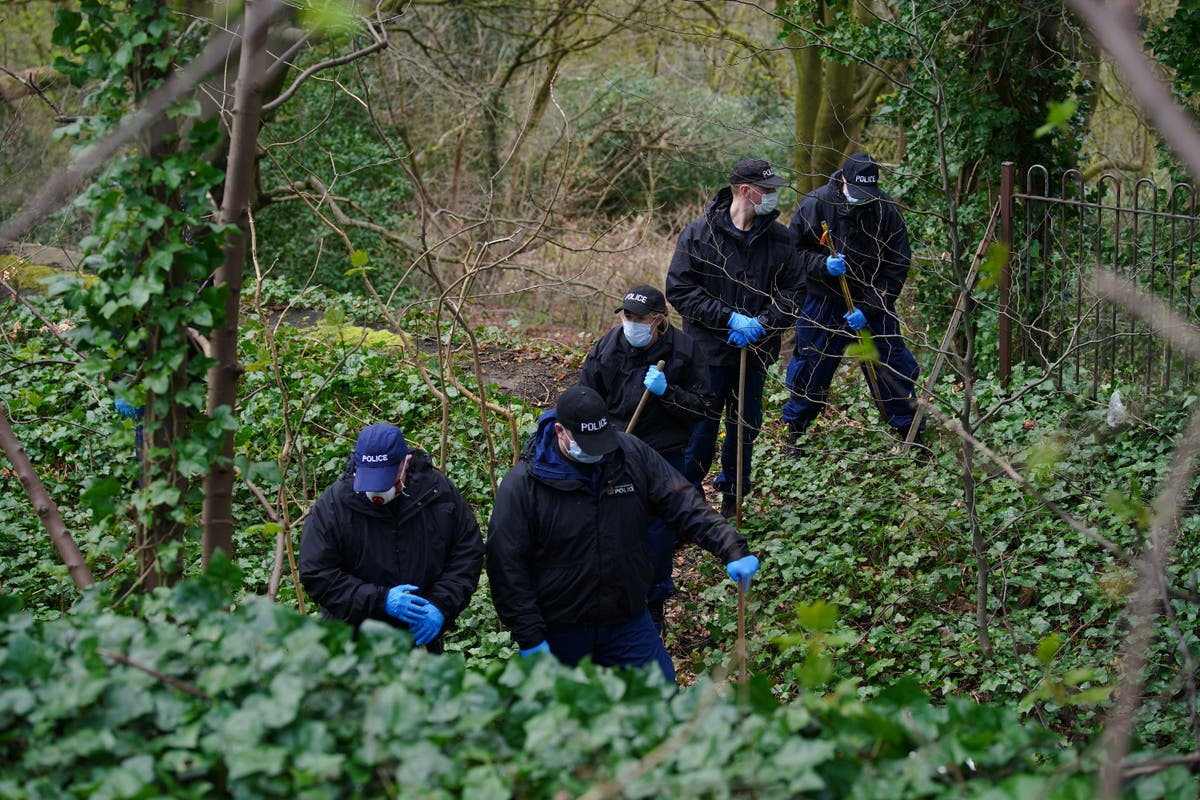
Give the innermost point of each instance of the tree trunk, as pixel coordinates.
(224, 375)
(830, 109)
(807, 64)
(161, 523)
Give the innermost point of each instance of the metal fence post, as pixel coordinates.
(1007, 170)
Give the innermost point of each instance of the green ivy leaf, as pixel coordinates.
(1057, 115)
(863, 348)
(330, 16)
(1092, 696)
(1048, 648)
(992, 269)
(188, 108)
(817, 616)
(97, 496)
(67, 22)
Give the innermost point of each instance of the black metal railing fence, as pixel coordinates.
(1057, 236)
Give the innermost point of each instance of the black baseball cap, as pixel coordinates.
(756, 171)
(583, 412)
(862, 177)
(643, 300)
(380, 451)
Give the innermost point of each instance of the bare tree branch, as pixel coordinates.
(1115, 27)
(379, 43)
(62, 184)
(1152, 586)
(170, 680)
(64, 543)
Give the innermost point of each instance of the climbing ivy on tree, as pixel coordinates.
(153, 248)
(1175, 44)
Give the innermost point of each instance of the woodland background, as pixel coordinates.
(424, 213)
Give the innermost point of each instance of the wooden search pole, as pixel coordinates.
(637, 412)
(741, 434)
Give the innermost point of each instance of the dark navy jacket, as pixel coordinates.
(567, 542)
(616, 369)
(352, 552)
(718, 269)
(872, 236)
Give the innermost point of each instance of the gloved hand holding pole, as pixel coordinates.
(853, 316)
(637, 412)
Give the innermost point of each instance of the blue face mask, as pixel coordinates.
(769, 201)
(637, 333)
(575, 452)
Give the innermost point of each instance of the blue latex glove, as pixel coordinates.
(737, 339)
(856, 319)
(748, 327)
(544, 647)
(404, 605)
(655, 380)
(426, 629)
(835, 265)
(126, 409)
(742, 570)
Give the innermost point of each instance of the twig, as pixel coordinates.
(1020, 480)
(1152, 581)
(379, 43)
(174, 682)
(1159, 764)
(45, 507)
(54, 190)
(615, 787)
(1115, 27)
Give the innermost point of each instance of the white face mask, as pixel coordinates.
(638, 334)
(382, 498)
(576, 452)
(769, 201)
(854, 201)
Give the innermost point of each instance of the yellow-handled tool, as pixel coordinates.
(827, 240)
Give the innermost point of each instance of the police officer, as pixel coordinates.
(392, 540)
(735, 281)
(566, 550)
(868, 232)
(622, 368)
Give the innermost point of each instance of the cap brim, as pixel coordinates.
(597, 444)
(773, 182)
(374, 479)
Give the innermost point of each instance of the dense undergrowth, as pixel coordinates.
(863, 610)
(202, 696)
